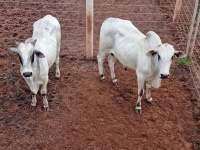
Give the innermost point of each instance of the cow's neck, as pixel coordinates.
(36, 67)
(154, 65)
(155, 80)
(41, 67)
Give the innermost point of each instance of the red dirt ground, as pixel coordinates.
(86, 113)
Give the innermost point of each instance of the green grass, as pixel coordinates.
(184, 61)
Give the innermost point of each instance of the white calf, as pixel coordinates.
(37, 54)
(146, 54)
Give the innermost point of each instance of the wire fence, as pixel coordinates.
(182, 25)
(150, 15)
(17, 18)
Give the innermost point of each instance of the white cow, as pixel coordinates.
(37, 54)
(146, 54)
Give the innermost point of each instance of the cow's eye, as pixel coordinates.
(32, 58)
(20, 59)
(158, 57)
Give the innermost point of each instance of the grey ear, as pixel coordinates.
(13, 49)
(16, 43)
(39, 54)
(151, 53)
(179, 54)
(34, 42)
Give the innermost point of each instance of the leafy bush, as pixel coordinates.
(184, 61)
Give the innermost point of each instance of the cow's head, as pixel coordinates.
(163, 58)
(26, 52)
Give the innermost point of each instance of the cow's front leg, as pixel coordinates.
(44, 95)
(148, 94)
(140, 81)
(111, 62)
(34, 102)
(34, 91)
(45, 102)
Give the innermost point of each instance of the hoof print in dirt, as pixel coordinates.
(138, 111)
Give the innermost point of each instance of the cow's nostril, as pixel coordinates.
(27, 74)
(163, 76)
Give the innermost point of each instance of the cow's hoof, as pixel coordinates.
(115, 82)
(57, 75)
(138, 111)
(150, 101)
(46, 108)
(101, 77)
(32, 107)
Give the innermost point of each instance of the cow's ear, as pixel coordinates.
(39, 54)
(179, 54)
(151, 53)
(16, 43)
(13, 49)
(34, 42)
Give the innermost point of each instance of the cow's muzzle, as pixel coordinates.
(27, 74)
(164, 76)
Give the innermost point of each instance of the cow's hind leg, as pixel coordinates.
(57, 55)
(44, 95)
(148, 94)
(140, 82)
(101, 58)
(57, 67)
(111, 62)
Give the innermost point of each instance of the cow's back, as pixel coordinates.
(116, 25)
(47, 32)
(45, 26)
(111, 26)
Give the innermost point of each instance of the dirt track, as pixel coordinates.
(84, 112)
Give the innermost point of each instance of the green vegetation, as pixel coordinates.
(184, 61)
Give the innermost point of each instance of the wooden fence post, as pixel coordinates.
(193, 30)
(177, 9)
(89, 29)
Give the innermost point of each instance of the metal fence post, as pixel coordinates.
(89, 29)
(193, 30)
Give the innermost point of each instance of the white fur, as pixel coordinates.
(132, 49)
